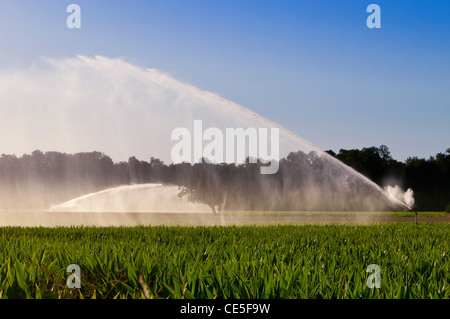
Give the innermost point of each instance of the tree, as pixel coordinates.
(204, 184)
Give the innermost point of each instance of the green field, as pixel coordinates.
(325, 213)
(310, 261)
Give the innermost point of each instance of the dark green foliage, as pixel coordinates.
(429, 178)
(40, 179)
(447, 208)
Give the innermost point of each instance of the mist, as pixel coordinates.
(86, 104)
(83, 104)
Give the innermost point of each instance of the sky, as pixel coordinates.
(314, 67)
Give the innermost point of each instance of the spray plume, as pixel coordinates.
(81, 104)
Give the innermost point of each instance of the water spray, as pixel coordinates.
(156, 93)
(394, 198)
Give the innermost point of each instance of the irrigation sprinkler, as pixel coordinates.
(413, 209)
(410, 208)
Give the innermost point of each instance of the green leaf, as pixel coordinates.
(188, 294)
(38, 292)
(21, 278)
(132, 274)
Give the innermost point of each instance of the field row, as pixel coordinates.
(311, 261)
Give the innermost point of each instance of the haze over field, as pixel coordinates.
(83, 104)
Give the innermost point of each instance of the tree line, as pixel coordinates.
(303, 181)
(429, 178)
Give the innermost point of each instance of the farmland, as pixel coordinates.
(284, 261)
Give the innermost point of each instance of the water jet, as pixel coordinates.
(125, 110)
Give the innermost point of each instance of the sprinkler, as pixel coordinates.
(413, 209)
(415, 212)
(392, 197)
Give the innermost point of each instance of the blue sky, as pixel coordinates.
(311, 66)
